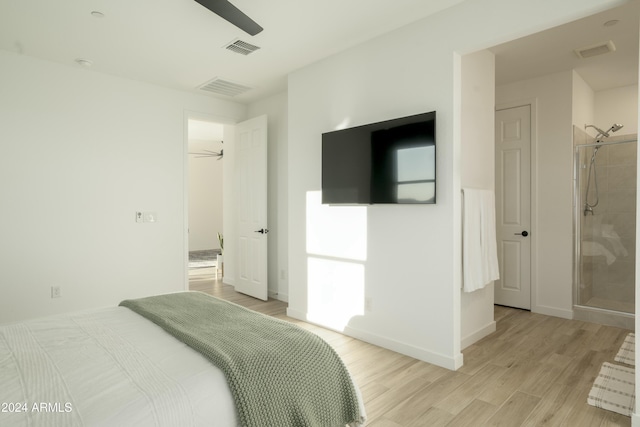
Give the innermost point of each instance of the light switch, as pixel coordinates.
(150, 217)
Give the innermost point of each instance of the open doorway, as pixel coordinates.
(205, 195)
(240, 188)
(571, 85)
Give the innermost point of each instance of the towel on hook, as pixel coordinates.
(479, 247)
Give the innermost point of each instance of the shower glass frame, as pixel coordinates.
(578, 213)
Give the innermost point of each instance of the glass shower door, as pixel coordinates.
(605, 206)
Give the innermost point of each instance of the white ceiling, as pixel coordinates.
(179, 44)
(552, 51)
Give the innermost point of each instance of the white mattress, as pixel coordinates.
(108, 367)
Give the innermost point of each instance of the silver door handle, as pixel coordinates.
(262, 231)
(523, 234)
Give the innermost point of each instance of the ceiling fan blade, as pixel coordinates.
(208, 153)
(229, 12)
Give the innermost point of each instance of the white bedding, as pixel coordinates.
(108, 367)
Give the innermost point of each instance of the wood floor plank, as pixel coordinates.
(534, 370)
(514, 411)
(584, 415)
(423, 399)
(387, 403)
(477, 413)
(554, 407)
(383, 422)
(458, 400)
(505, 386)
(433, 417)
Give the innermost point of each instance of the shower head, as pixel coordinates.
(615, 128)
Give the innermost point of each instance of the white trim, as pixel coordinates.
(552, 311)
(296, 314)
(478, 335)
(635, 420)
(452, 363)
(279, 296)
(194, 115)
(533, 103)
(185, 198)
(457, 203)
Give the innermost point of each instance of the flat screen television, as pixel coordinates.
(389, 162)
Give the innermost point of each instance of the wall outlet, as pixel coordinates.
(56, 292)
(368, 304)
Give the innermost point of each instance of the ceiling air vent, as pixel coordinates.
(224, 87)
(595, 50)
(243, 48)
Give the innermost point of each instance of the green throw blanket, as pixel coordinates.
(280, 375)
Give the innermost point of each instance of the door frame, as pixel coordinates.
(195, 115)
(533, 106)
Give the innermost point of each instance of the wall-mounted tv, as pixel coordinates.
(392, 162)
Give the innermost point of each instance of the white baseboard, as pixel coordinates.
(552, 311)
(279, 296)
(478, 335)
(297, 314)
(452, 363)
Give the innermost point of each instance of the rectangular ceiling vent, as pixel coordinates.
(595, 50)
(241, 47)
(224, 87)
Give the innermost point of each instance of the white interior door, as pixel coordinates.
(251, 168)
(513, 206)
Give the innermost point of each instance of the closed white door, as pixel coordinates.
(513, 206)
(251, 167)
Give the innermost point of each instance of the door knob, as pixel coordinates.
(262, 231)
(523, 234)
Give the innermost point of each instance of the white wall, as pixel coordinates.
(409, 266)
(552, 188)
(477, 161)
(583, 103)
(80, 153)
(619, 105)
(275, 107)
(205, 196)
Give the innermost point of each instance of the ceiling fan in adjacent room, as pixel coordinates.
(229, 12)
(209, 153)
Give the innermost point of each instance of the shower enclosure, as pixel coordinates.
(604, 227)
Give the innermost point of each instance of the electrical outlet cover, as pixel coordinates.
(56, 292)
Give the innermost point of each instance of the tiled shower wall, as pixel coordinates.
(607, 237)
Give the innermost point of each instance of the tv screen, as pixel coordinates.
(391, 162)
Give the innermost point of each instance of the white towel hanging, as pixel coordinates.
(479, 247)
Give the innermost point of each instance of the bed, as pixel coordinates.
(125, 366)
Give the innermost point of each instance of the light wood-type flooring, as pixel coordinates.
(535, 370)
